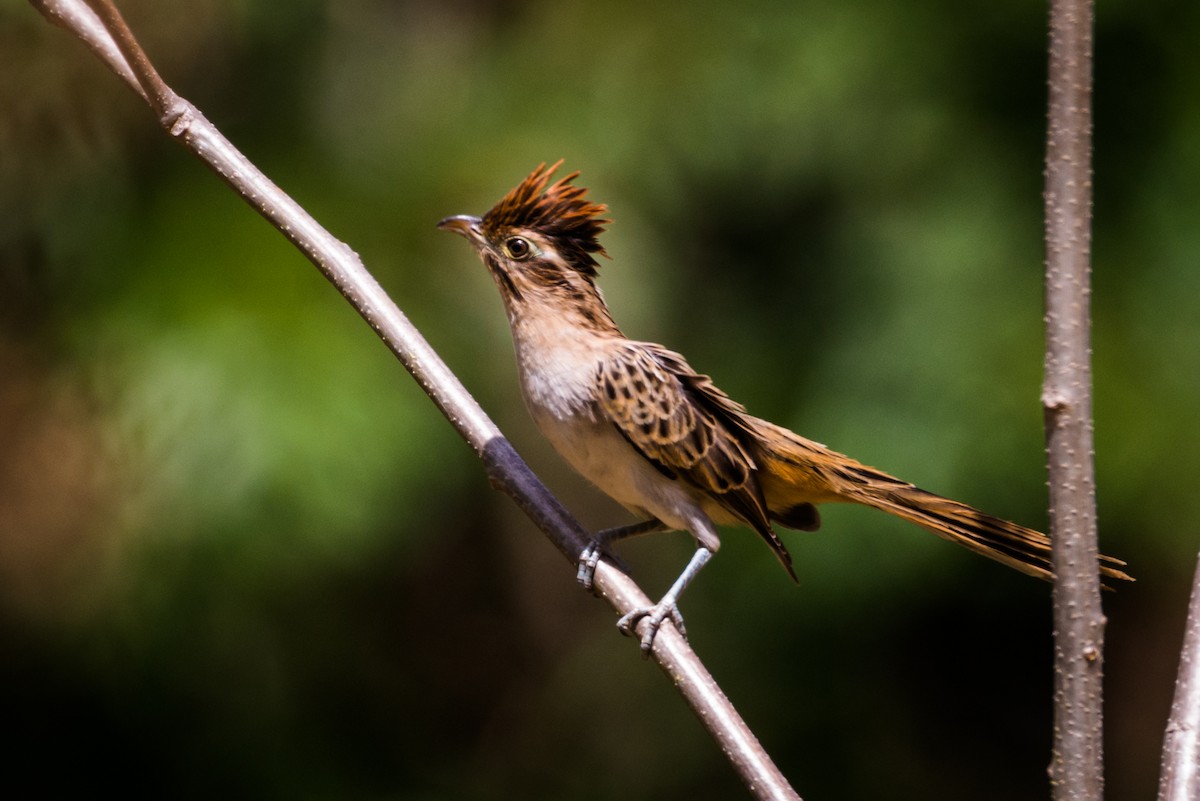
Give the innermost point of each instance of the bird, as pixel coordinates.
(659, 437)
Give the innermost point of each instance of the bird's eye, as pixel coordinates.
(518, 248)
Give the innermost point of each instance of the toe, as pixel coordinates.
(629, 620)
(656, 616)
(589, 557)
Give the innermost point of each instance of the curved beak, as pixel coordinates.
(464, 225)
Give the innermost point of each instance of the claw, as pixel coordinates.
(655, 616)
(589, 557)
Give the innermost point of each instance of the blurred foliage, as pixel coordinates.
(240, 552)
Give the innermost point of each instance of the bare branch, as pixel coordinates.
(1180, 779)
(104, 31)
(82, 21)
(1076, 770)
(157, 93)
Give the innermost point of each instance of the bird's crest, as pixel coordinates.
(560, 211)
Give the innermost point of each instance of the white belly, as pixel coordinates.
(559, 390)
(601, 455)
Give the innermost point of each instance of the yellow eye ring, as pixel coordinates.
(518, 248)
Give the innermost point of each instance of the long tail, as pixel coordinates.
(796, 472)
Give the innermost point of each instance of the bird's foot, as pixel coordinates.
(655, 616)
(597, 549)
(589, 557)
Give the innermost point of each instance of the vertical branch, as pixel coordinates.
(1180, 779)
(1076, 769)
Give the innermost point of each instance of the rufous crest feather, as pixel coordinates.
(559, 211)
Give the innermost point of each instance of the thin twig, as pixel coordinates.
(1076, 769)
(107, 34)
(1180, 779)
(82, 21)
(153, 88)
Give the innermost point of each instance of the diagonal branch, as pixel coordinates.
(99, 25)
(1180, 778)
(1077, 766)
(151, 86)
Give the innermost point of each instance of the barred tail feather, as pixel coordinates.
(797, 469)
(1016, 546)
(994, 537)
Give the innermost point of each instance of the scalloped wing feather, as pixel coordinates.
(687, 428)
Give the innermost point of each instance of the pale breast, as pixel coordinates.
(558, 373)
(597, 451)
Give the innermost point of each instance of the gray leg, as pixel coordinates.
(667, 607)
(590, 556)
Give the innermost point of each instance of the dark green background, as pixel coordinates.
(242, 554)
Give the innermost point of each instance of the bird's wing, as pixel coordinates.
(687, 428)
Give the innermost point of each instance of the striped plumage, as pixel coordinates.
(662, 439)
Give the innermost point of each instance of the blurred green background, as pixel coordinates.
(241, 552)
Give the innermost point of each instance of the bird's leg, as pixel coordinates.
(589, 557)
(665, 608)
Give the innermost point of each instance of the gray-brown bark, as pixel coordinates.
(1076, 769)
(100, 26)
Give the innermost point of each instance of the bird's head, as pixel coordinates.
(539, 241)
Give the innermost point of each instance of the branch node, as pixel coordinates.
(1055, 402)
(178, 117)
